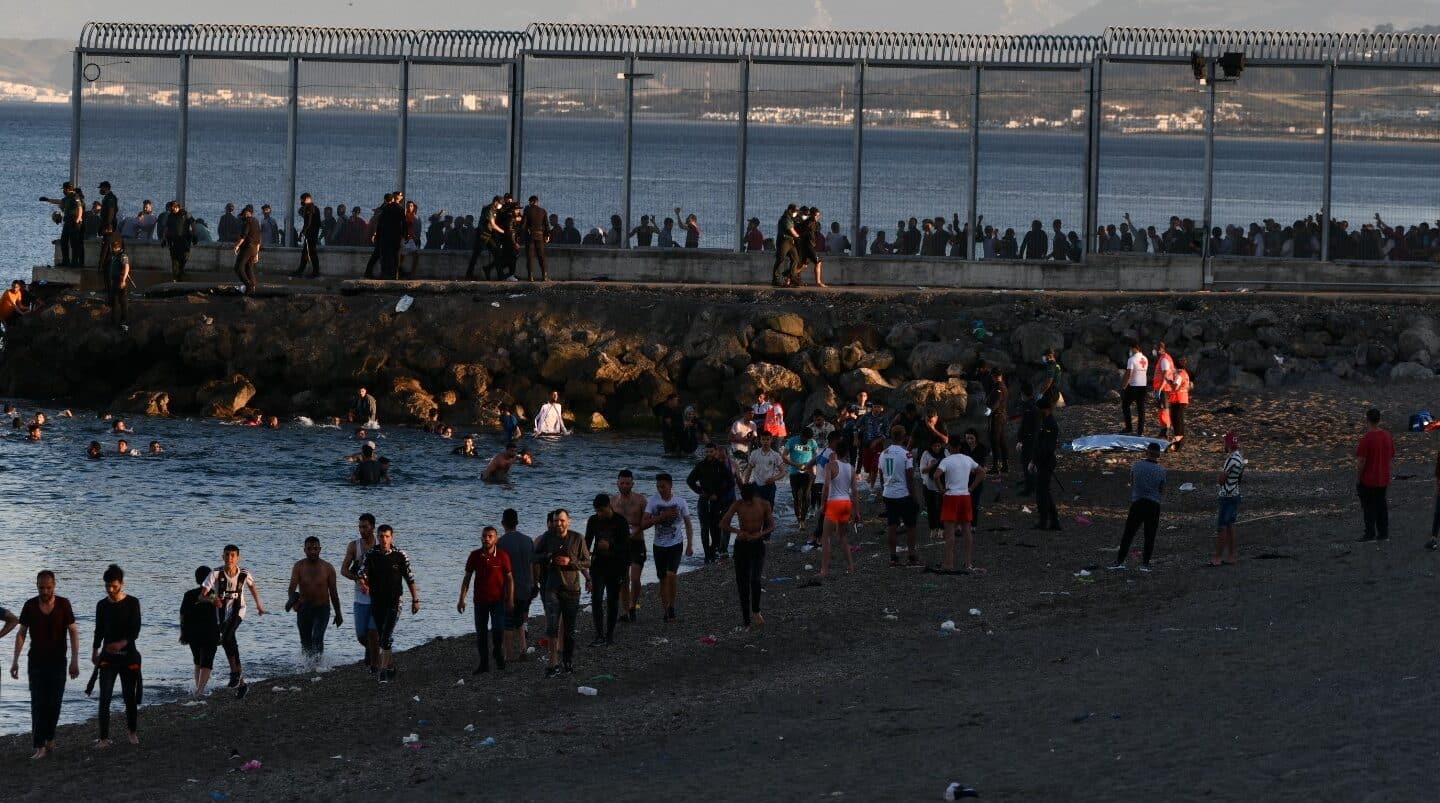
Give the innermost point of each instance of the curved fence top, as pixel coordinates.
(1362, 48)
(284, 41)
(736, 43)
(818, 44)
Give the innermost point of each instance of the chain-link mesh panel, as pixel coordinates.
(1032, 151)
(1270, 160)
(1152, 153)
(801, 142)
(348, 136)
(1387, 146)
(239, 122)
(574, 140)
(129, 127)
(686, 148)
(458, 147)
(918, 126)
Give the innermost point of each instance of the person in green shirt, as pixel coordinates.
(799, 455)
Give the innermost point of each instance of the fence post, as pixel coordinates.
(292, 134)
(1088, 245)
(741, 155)
(859, 165)
(517, 121)
(182, 136)
(75, 92)
(974, 157)
(1329, 161)
(629, 155)
(403, 135)
(1207, 270)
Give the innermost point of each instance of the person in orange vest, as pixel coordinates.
(1162, 382)
(1178, 400)
(771, 416)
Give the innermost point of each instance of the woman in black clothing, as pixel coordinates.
(117, 625)
(976, 450)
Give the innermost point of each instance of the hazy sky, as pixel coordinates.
(64, 19)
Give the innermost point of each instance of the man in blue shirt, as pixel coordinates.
(1147, 483)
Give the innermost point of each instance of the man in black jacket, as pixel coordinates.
(109, 227)
(712, 481)
(309, 237)
(247, 249)
(178, 234)
(1035, 245)
(1047, 439)
(389, 234)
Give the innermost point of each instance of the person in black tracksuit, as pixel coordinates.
(712, 481)
(309, 237)
(607, 536)
(178, 235)
(1047, 440)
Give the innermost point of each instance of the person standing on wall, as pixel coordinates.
(309, 237)
(537, 226)
(247, 250)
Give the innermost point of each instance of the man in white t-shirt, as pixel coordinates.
(925, 468)
(742, 433)
(1137, 369)
(765, 468)
(896, 468)
(551, 418)
(664, 511)
(225, 588)
(956, 476)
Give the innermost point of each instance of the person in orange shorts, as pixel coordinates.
(842, 506)
(957, 476)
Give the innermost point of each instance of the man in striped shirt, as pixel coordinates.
(1226, 553)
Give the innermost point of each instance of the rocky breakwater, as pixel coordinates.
(615, 351)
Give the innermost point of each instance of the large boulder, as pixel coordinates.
(145, 402)
(931, 360)
(221, 398)
(771, 343)
(1410, 372)
(787, 323)
(406, 401)
(823, 399)
(949, 399)
(829, 363)
(562, 362)
(768, 378)
(1033, 339)
(866, 379)
(469, 379)
(1420, 337)
(877, 360)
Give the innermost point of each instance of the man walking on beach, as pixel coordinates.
(1046, 440)
(607, 536)
(350, 569)
(494, 596)
(225, 589)
(713, 483)
(520, 548)
(757, 522)
(385, 574)
(1147, 483)
(632, 506)
(1374, 459)
(312, 594)
(564, 558)
(1137, 368)
(47, 620)
(664, 512)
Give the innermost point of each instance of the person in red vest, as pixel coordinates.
(1162, 382)
(1178, 400)
(771, 416)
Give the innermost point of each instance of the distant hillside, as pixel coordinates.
(1279, 15)
(38, 62)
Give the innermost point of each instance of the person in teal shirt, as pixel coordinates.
(799, 455)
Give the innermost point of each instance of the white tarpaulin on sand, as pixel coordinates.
(1115, 443)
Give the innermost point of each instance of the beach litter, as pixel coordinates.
(411, 739)
(974, 611)
(1083, 521)
(416, 698)
(1187, 487)
(1026, 509)
(488, 741)
(948, 626)
(588, 691)
(709, 640)
(250, 766)
(460, 682)
(404, 303)
(217, 795)
(470, 728)
(957, 790)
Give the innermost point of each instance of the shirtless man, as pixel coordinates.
(311, 595)
(498, 471)
(350, 570)
(632, 506)
(757, 521)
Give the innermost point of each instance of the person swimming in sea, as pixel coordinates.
(120, 426)
(466, 448)
(123, 448)
(370, 470)
(155, 448)
(498, 471)
(93, 450)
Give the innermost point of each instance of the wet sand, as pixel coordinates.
(1303, 673)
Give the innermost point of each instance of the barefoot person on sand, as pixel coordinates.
(350, 569)
(225, 589)
(47, 620)
(200, 631)
(311, 595)
(842, 506)
(632, 506)
(113, 651)
(757, 522)
(664, 512)
(386, 570)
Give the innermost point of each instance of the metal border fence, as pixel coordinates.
(857, 50)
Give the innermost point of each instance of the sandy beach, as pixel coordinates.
(1306, 672)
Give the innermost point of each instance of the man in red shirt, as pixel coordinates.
(1374, 458)
(494, 595)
